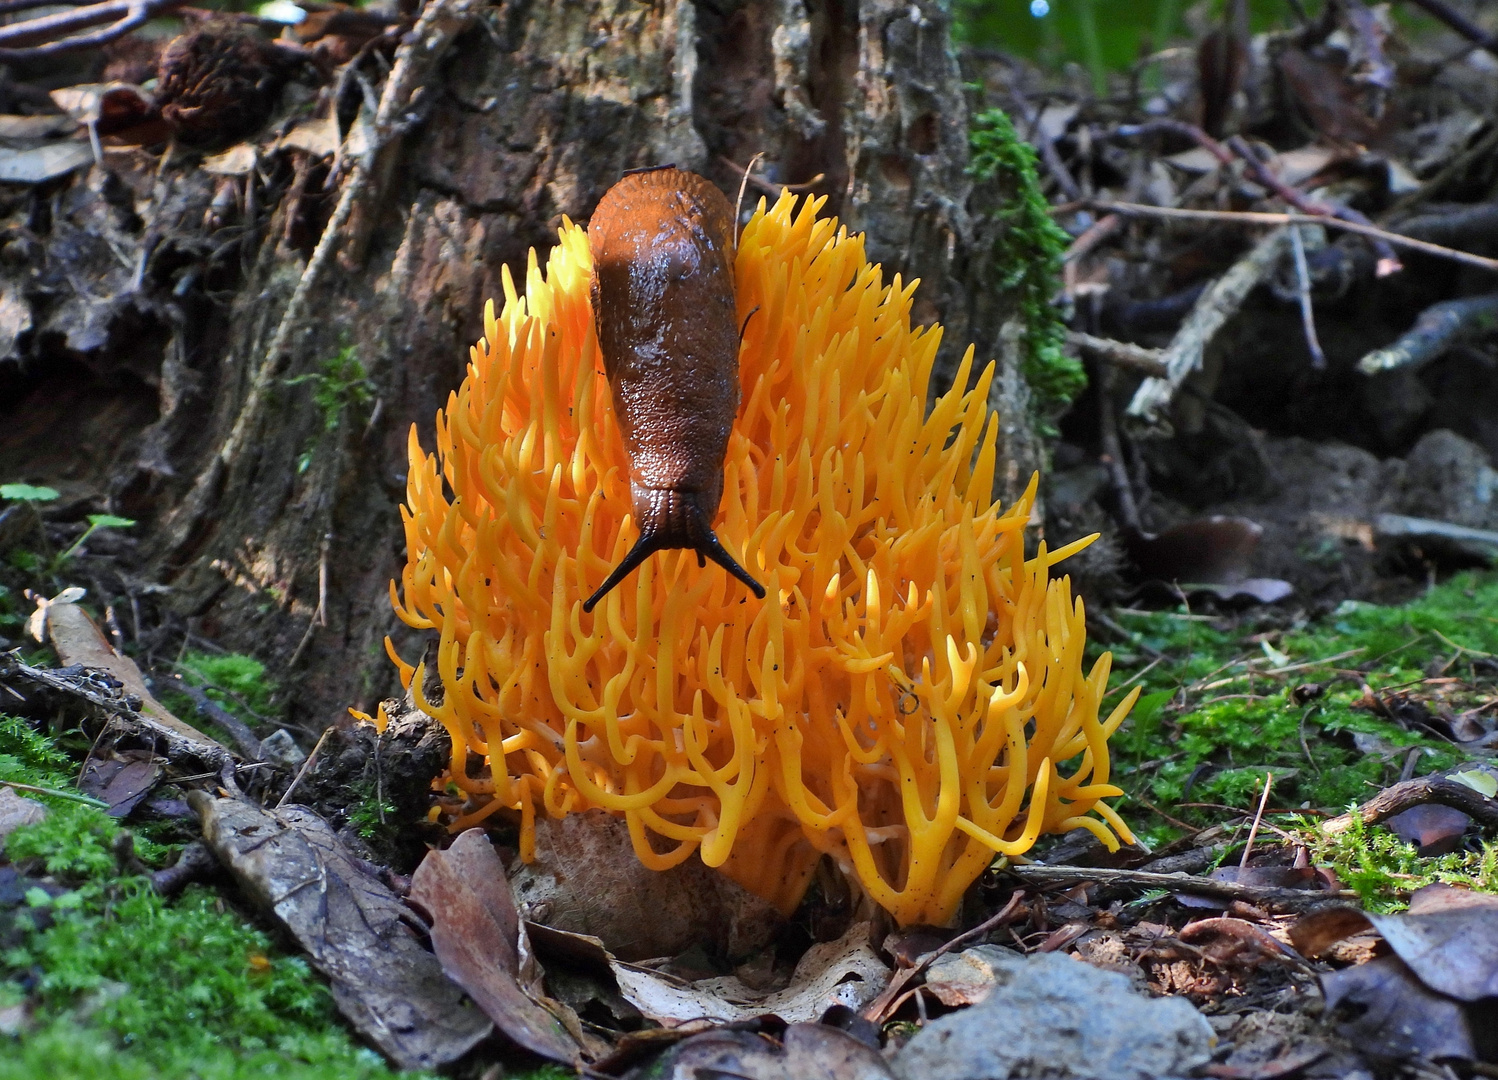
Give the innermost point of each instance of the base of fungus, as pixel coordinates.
(909, 699)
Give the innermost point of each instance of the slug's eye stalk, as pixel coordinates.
(673, 519)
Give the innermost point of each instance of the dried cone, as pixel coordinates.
(909, 700)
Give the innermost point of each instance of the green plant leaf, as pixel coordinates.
(109, 521)
(28, 493)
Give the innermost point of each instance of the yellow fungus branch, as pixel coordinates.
(908, 700)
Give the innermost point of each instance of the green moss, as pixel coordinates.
(1384, 870)
(1217, 712)
(123, 983)
(1028, 256)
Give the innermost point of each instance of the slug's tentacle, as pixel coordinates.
(669, 518)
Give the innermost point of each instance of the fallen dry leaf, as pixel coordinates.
(35, 127)
(122, 778)
(1433, 829)
(1449, 939)
(238, 160)
(1399, 1017)
(804, 1052)
(318, 137)
(843, 972)
(353, 928)
(476, 935)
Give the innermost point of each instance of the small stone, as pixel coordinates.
(16, 811)
(281, 750)
(1063, 1019)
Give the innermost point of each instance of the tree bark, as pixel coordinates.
(540, 105)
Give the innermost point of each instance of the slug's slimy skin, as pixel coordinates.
(663, 304)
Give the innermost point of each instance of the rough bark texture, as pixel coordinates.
(137, 350)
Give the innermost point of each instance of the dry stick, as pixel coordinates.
(303, 770)
(1253, 831)
(1436, 330)
(419, 53)
(1213, 309)
(1049, 156)
(1303, 292)
(1122, 354)
(1411, 793)
(1271, 895)
(124, 16)
(875, 1009)
(320, 616)
(1388, 262)
(1112, 457)
(1460, 23)
(1260, 217)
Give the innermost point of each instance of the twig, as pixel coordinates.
(1436, 330)
(1049, 157)
(1303, 291)
(1079, 248)
(1460, 23)
(1388, 262)
(1428, 789)
(1478, 543)
(1217, 304)
(303, 770)
(123, 15)
(420, 51)
(319, 617)
(71, 796)
(1271, 895)
(1260, 217)
(1120, 353)
(885, 1001)
(1112, 456)
(1253, 830)
(247, 741)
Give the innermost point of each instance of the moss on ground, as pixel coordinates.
(1222, 705)
(120, 982)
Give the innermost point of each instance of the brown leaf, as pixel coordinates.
(353, 928)
(1433, 829)
(1213, 550)
(1318, 931)
(1401, 1017)
(476, 934)
(1449, 939)
(585, 879)
(122, 779)
(807, 1051)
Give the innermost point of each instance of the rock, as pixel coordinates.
(16, 811)
(1051, 1016)
(1448, 478)
(281, 750)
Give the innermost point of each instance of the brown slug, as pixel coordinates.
(662, 242)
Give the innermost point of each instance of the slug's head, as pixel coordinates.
(675, 518)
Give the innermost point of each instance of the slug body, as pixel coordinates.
(662, 242)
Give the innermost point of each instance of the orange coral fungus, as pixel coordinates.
(912, 677)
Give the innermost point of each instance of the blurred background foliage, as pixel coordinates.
(1107, 36)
